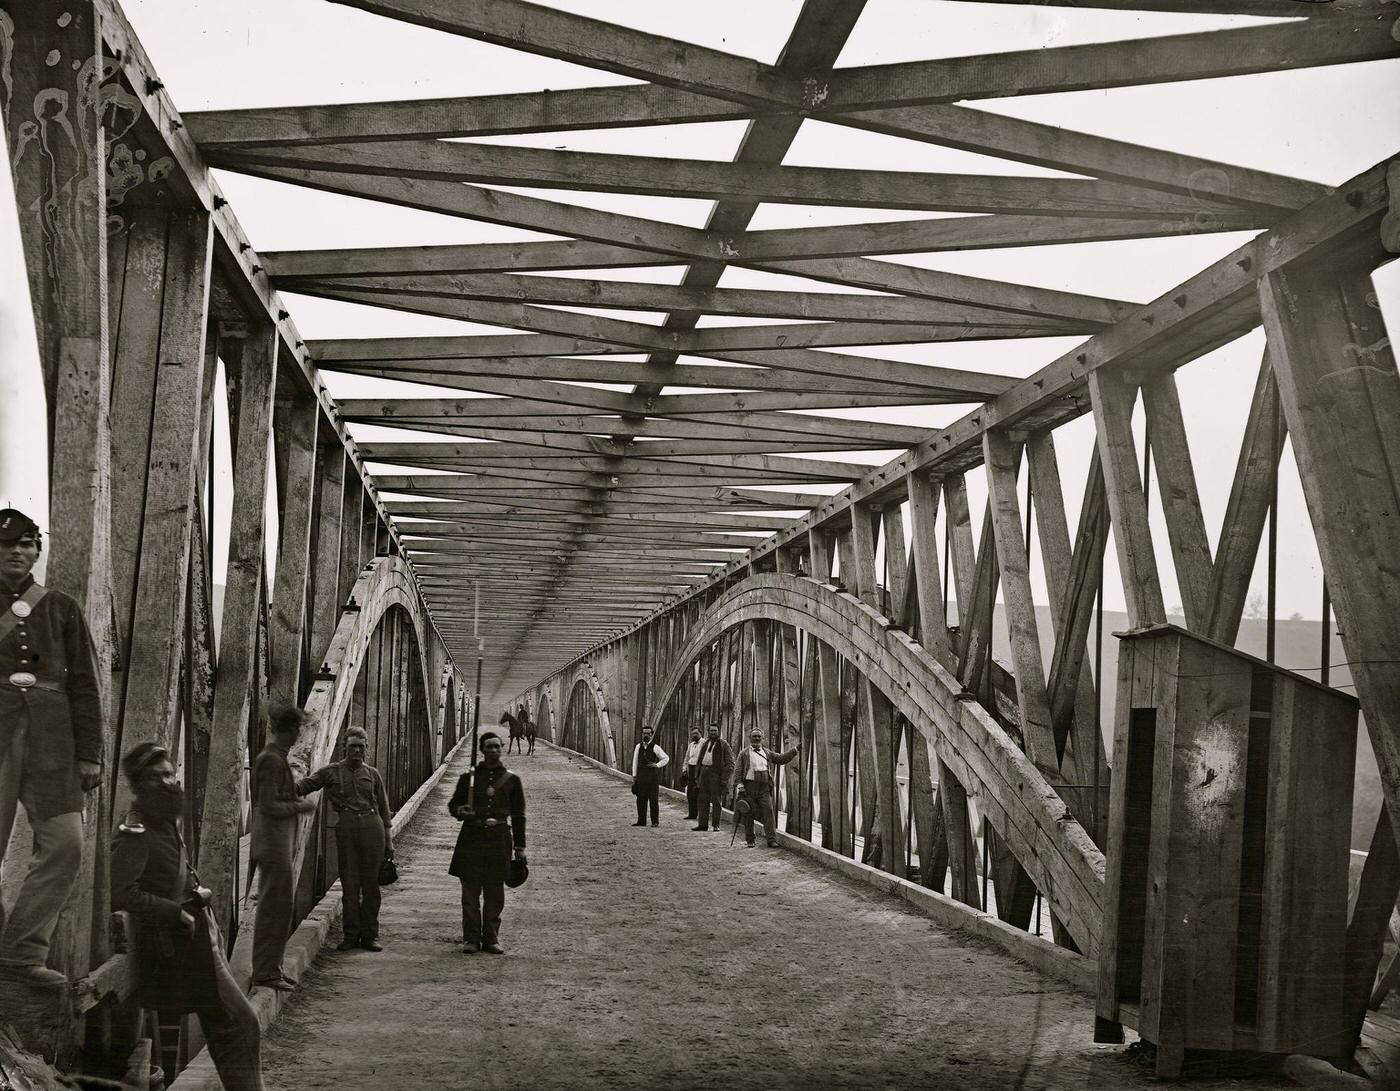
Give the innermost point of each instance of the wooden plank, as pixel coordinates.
(151, 707)
(1250, 496)
(876, 722)
(482, 115)
(1181, 505)
(698, 179)
(252, 364)
(1004, 514)
(1303, 955)
(295, 425)
(1113, 400)
(552, 217)
(831, 763)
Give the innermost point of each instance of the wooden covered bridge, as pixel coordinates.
(821, 422)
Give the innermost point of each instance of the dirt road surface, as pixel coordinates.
(665, 958)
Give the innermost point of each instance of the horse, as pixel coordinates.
(517, 730)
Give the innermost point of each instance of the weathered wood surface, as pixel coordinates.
(1009, 789)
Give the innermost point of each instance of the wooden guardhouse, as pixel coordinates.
(1225, 909)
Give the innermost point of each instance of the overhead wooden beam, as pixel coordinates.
(699, 179)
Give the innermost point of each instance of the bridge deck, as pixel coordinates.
(653, 958)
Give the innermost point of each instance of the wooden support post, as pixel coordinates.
(876, 724)
(64, 235)
(151, 706)
(326, 542)
(837, 833)
(296, 422)
(1250, 498)
(962, 846)
(855, 721)
(1340, 393)
(1113, 399)
(926, 773)
(1181, 504)
(252, 363)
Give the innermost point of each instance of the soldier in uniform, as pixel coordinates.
(272, 847)
(362, 835)
(180, 963)
(490, 804)
(50, 742)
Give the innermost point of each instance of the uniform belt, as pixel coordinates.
(38, 683)
(356, 810)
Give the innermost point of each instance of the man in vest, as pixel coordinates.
(362, 836)
(50, 743)
(715, 763)
(648, 759)
(754, 776)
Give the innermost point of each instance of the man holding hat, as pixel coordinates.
(356, 791)
(179, 955)
(753, 777)
(490, 803)
(50, 742)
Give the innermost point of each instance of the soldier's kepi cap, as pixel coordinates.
(140, 758)
(14, 524)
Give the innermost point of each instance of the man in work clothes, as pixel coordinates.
(276, 806)
(716, 763)
(50, 743)
(692, 774)
(753, 776)
(490, 804)
(362, 836)
(179, 951)
(648, 759)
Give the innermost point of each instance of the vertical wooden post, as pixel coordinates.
(1340, 393)
(1127, 502)
(253, 364)
(151, 706)
(856, 717)
(934, 810)
(876, 719)
(57, 153)
(326, 542)
(837, 833)
(296, 421)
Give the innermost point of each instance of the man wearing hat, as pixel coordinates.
(272, 845)
(50, 742)
(753, 777)
(490, 803)
(715, 762)
(179, 955)
(356, 791)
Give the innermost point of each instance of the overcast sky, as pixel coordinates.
(1323, 124)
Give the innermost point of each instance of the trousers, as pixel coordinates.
(692, 790)
(359, 848)
(760, 799)
(481, 911)
(231, 1029)
(711, 797)
(53, 868)
(647, 796)
(272, 923)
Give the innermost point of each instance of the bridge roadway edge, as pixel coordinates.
(1057, 962)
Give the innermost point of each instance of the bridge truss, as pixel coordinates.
(646, 510)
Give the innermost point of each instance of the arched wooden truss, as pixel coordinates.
(614, 531)
(1021, 804)
(585, 681)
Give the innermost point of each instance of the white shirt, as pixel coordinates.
(692, 752)
(661, 758)
(709, 758)
(758, 762)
